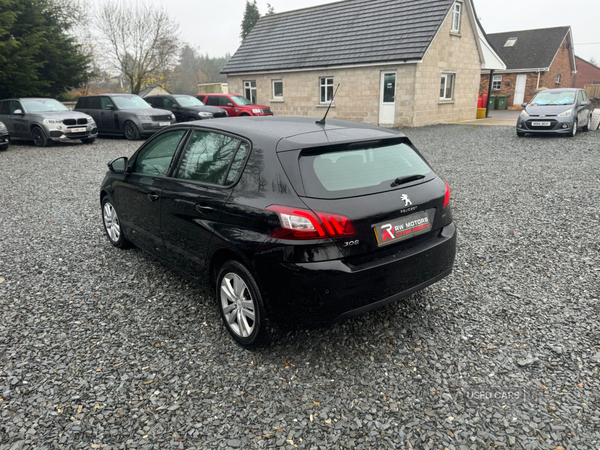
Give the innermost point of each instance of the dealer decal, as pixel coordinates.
(403, 228)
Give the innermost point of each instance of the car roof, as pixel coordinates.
(224, 95)
(29, 98)
(111, 95)
(288, 132)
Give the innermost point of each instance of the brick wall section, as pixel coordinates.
(417, 86)
(586, 73)
(562, 64)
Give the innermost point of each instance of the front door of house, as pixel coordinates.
(387, 100)
(520, 89)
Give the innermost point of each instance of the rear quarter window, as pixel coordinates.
(359, 171)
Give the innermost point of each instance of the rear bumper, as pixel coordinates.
(322, 293)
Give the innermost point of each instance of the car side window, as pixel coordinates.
(5, 107)
(168, 103)
(94, 102)
(585, 96)
(14, 105)
(225, 101)
(104, 102)
(207, 157)
(212, 101)
(155, 158)
(238, 160)
(83, 103)
(157, 103)
(201, 98)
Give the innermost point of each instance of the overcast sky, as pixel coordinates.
(214, 25)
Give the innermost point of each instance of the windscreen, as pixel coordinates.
(241, 101)
(131, 102)
(43, 105)
(189, 101)
(359, 171)
(553, 98)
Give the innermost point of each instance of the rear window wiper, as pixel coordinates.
(403, 180)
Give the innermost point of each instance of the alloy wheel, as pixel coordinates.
(237, 305)
(111, 222)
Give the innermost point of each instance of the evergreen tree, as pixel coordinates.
(37, 55)
(251, 16)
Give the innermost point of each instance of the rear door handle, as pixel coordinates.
(203, 208)
(153, 197)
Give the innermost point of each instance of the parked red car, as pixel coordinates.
(235, 105)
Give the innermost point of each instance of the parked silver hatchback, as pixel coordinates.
(43, 120)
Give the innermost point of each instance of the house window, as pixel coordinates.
(278, 89)
(250, 90)
(326, 88)
(558, 79)
(456, 12)
(497, 82)
(510, 42)
(447, 86)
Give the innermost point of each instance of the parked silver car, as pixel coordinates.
(562, 111)
(124, 114)
(4, 137)
(43, 120)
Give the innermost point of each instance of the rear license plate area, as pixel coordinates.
(401, 229)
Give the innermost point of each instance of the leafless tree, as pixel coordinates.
(139, 40)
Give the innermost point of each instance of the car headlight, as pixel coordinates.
(2, 127)
(204, 114)
(566, 113)
(53, 121)
(172, 116)
(524, 114)
(91, 120)
(257, 111)
(145, 117)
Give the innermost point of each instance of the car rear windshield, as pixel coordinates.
(132, 102)
(40, 105)
(361, 170)
(553, 98)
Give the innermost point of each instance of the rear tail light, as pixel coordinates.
(298, 223)
(447, 195)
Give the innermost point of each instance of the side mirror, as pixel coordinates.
(110, 107)
(524, 104)
(118, 165)
(230, 105)
(18, 112)
(585, 103)
(175, 106)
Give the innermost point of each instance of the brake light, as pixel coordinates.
(447, 195)
(298, 223)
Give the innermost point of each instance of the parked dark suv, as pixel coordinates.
(292, 222)
(124, 114)
(185, 107)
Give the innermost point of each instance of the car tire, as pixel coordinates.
(588, 124)
(131, 131)
(573, 131)
(3, 147)
(88, 140)
(241, 306)
(520, 133)
(112, 224)
(39, 137)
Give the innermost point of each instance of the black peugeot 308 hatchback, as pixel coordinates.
(290, 221)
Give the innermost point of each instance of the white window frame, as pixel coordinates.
(497, 79)
(324, 83)
(248, 87)
(456, 16)
(445, 77)
(277, 97)
(558, 79)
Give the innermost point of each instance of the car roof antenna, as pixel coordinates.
(322, 121)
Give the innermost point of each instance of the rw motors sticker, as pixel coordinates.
(401, 229)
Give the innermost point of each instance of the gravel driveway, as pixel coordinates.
(102, 348)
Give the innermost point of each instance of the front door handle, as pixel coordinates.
(203, 208)
(153, 197)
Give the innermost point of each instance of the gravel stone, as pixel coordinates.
(110, 349)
